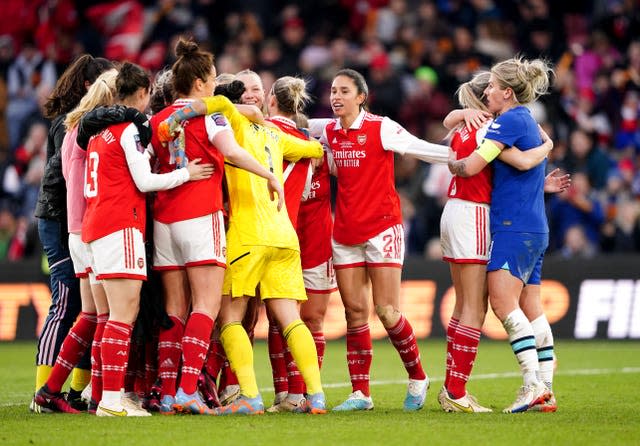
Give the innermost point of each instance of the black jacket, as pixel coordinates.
(100, 118)
(52, 200)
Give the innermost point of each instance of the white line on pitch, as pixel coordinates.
(573, 372)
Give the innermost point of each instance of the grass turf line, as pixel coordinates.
(596, 386)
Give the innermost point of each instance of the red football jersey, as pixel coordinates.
(195, 198)
(367, 202)
(295, 174)
(113, 200)
(476, 188)
(315, 222)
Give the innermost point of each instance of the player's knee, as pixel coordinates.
(388, 315)
(314, 322)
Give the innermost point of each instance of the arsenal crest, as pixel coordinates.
(362, 139)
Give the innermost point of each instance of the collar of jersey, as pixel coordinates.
(284, 120)
(183, 101)
(355, 125)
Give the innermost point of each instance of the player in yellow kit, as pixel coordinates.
(263, 251)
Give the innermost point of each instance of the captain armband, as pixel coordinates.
(488, 150)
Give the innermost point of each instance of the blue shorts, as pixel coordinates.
(520, 253)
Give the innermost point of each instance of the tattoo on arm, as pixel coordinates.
(458, 168)
(186, 112)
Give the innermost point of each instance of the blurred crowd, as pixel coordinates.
(414, 54)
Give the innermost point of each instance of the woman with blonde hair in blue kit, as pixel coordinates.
(519, 229)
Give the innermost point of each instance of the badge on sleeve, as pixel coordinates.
(219, 120)
(139, 145)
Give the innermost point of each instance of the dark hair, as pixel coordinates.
(70, 88)
(233, 90)
(358, 80)
(192, 64)
(130, 78)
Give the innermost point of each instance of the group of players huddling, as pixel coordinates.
(241, 214)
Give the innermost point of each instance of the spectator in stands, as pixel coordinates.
(7, 230)
(30, 71)
(576, 244)
(594, 44)
(386, 89)
(623, 233)
(585, 156)
(577, 206)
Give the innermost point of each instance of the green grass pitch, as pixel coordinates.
(597, 386)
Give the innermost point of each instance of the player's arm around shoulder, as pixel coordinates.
(294, 148)
(528, 159)
(477, 160)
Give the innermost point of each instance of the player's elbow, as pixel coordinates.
(232, 154)
(144, 186)
(525, 164)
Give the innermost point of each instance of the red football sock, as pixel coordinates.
(295, 382)
(150, 364)
(359, 356)
(133, 364)
(169, 351)
(451, 332)
(321, 343)
(215, 358)
(195, 345)
(115, 353)
(228, 378)
(75, 344)
(404, 340)
(464, 351)
(276, 356)
(96, 358)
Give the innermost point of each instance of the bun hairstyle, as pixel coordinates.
(131, 78)
(192, 64)
(233, 90)
(71, 86)
(291, 97)
(471, 93)
(529, 79)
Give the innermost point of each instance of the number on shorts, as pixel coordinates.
(388, 245)
(91, 185)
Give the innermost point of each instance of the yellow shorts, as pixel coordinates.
(278, 271)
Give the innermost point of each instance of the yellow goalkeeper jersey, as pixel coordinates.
(253, 217)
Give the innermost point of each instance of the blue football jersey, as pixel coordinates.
(517, 198)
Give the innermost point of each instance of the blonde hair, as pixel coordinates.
(247, 71)
(101, 92)
(529, 79)
(471, 93)
(225, 78)
(291, 97)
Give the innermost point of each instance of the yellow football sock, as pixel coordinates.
(42, 375)
(303, 350)
(80, 378)
(237, 346)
